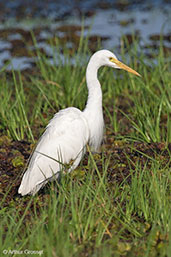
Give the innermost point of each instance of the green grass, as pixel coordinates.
(109, 206)
(88, 216)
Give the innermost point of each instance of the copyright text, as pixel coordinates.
(19, 252)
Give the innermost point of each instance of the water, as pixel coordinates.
(109, 19)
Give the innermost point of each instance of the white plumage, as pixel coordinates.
(67, 134)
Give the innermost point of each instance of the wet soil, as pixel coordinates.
(14, 156)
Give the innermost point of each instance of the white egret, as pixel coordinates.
(70, 130)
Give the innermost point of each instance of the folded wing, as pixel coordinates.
(63, 141)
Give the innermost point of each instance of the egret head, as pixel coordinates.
(107, 58)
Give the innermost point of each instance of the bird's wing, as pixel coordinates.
(63, 141)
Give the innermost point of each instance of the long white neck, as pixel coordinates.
(94, 101)
(93, 110)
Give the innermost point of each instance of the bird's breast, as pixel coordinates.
(96, 127)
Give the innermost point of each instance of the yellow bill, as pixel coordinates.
(123, 66)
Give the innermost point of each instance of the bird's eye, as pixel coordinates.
(110, 59)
